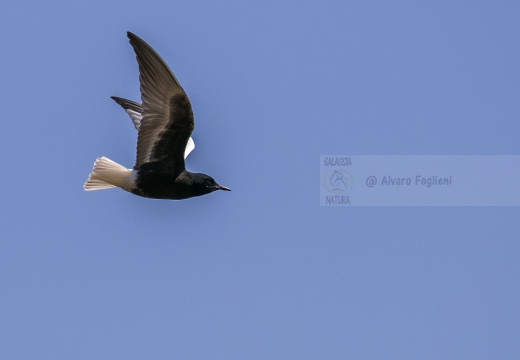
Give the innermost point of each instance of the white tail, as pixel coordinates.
(108, 174)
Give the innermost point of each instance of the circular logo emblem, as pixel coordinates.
(338, 181)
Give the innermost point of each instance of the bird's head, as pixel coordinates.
(207, 184)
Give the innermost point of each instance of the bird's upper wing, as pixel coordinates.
(134, 110)
(167, 118)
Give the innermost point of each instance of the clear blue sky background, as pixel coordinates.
(262, 272)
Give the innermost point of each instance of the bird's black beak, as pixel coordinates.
(220, 187)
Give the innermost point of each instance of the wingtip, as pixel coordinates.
(132, 36)
(117, 100)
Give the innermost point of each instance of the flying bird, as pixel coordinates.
(164, 122)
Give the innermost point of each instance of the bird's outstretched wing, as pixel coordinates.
(134, 110)
(167, 118)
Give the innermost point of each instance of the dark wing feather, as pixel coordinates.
(167, 118)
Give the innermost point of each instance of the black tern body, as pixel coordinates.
(164, 123)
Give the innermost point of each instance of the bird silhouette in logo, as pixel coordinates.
(164, 123)
(338, 182)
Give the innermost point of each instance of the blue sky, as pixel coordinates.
(262, 272)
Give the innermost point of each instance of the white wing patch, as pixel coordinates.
(189, 147)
